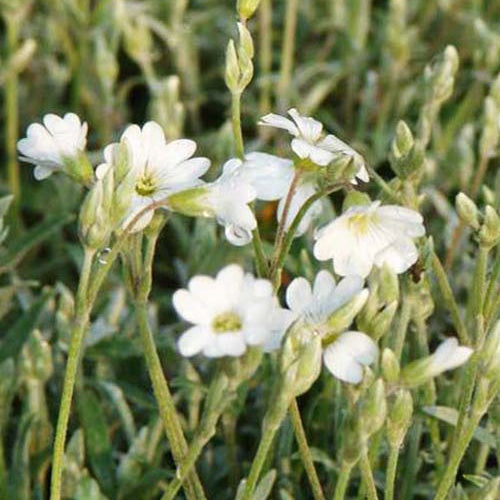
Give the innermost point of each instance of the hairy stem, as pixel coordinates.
(83, 307)
(343, 481)
(390, 474)
(367, 475)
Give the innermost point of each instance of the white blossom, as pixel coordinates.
(161, 168)
(368, 235)
(51, 145)
(311, 143)
(447, 356)
(345, 354)
(229, 312)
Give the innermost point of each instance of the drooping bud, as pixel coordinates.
(467, 210)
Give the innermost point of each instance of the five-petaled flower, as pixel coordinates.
(368, 235)
(311, 143)
(230, 312)
(346, 352)
(55, 143)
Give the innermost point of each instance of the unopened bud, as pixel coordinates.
(373, 408)
(232, 74)
(340, 320)
(489, 234)
(79, 168)
(490, 356)
(351, 439)
(390, 366)
(355, 198)
(467, 210)
(490, 130)
(36, 359)
(247, 8)
(399, 418)
(403, 141)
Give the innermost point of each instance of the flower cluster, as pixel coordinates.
(235, 310)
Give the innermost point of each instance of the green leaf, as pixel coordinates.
(265, 486)
(450, 416)
(98, 444)
(17, 335)
(30, 239)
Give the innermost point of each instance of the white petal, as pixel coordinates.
(273, 120)
(324, 285)
(399, 256)
(230, 279)
(360, 346)
(308, 127)
(237, 236)
(209, 293)
(229, 344)
(179, 150)
(41, 172)
(192, 341)
(299, 295)
(190, 308)
(342, 365)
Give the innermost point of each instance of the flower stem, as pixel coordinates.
(305, 452)
(83, 307)
(478, 290)
(367, 475)
(343, 481)
(236, 122)
(258, 462)
(449, 299)
(265, 56)
(402, 328)
(161, 390)
(390, 475)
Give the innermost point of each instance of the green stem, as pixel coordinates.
(390, 474)
(166, 406)
(83, 307)
(367, 475)
(449, 299)
(260, 257)
(236, 122)
(259, 460)
(478, 289)
(11, 111)
(382, 184)
(343, 481)
(287, 52)
(305, 452)
(404, 321)
(265, 56)
(491, 293)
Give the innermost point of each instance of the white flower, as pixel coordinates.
(368, 235)
(228, 198)
(447, 356)
(272, 177)
(310, 143)
(51, 145)
(315, 305)
(229, 312)
(344, 355)
(161, 168)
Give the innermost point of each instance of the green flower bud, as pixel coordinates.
(190, 202)
(246, 8)
(351, 439)
(340, 320)
(390, 366)
(106, 64)
(490, 356)
(383, 321)
(355, 198)
(490, 132)
(79, 168)
(239, 66)
(489, 234)
(373, 409)
(388, 289)
(399, 418)
(403, 141)
(232, 74)
(36, 359)
(467, 210)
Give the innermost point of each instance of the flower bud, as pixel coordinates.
(390, 366)
(340, 320)
(467, 210)
(232, 74)
(246, 8)
(403, 141)
(106, 65)
(490, 131)
(489, 234)
(36, 359)
(79, 168)
(490, 356)
(190, 202)
(239, 66)
(355, 198)
(351, 439)
(373, 408)
(399, 418)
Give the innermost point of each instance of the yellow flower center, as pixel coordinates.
(145, 186)
(226, 322)
(360, 223)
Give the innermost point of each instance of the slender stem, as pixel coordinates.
(343, 481)
(382, 184)
(305, 452)
(287, 52)
(367, 475)
(390, 475)
(260, 257)
(478, 289)
(404, 321)
(491, 293)
(236, 122)
(166, 406)
(259, 460)
(449, 299)
(12, 117)
(82, 312)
